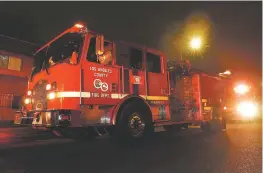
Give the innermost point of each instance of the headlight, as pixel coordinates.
(27, 101)
(48, 87)
(51, 86)
(29, 93)
(51, 95)
(241, 89)
(247, 109)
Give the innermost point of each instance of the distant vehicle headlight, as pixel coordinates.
(241, 89)
(247, 109)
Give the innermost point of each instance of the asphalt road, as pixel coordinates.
(236, 151)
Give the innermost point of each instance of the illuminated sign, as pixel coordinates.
(137, 80)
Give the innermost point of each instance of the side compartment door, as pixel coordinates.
(157, 85)
(132, 73)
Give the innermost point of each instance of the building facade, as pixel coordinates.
(16, 62)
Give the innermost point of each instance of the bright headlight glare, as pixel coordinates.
(241, 89)
(51, 96)
(27, 101)
(29, 93)
(48, 86)
(247, 109)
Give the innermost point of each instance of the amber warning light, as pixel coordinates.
(78, 25)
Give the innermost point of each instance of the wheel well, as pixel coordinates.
(144, 106)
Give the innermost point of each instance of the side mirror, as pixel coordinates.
(99, 44)
(74, 58)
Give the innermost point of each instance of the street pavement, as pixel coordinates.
(238, 150)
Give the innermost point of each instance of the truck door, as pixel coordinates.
(157, 85)
(130, 59)
(156, 76)
(100, 78)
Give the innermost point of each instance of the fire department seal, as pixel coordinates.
(137, 79)
(98, 84)
(104, 87)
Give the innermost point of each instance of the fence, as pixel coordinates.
(8, 105)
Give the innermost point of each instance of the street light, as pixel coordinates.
(196, 43)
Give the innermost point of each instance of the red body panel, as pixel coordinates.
(67, 78)
(95, 73)
(212, 88)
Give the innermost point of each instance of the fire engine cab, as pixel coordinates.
(81, 81)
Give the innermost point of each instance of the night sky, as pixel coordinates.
(235, 42)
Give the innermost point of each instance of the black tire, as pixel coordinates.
(205, 126)
(185, 126)
(137, 113)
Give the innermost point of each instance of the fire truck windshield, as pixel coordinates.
(58, 51)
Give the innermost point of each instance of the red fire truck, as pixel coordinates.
(81, 81)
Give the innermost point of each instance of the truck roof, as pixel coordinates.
(95, 33)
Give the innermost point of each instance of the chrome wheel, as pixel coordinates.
(136, 125)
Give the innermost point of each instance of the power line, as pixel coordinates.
(1, 35)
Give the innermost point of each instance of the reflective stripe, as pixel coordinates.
(118, 96)
(73, 94)
(157, 98)
(113, 96)
(207, 108)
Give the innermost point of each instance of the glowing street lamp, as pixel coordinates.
(196, 43)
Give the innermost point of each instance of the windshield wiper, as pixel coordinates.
(45, 66)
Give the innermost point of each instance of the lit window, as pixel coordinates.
(3, 61)
(14, 63)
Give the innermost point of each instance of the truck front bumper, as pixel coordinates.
(64, 118)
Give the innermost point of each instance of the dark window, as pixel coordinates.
(16, 103)
(122, 55)
(92, 57)
(62, 49)
(153, 63)
(58, 52)
(106, 58)
(136, 58)
(10, 62)
(4, 61)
